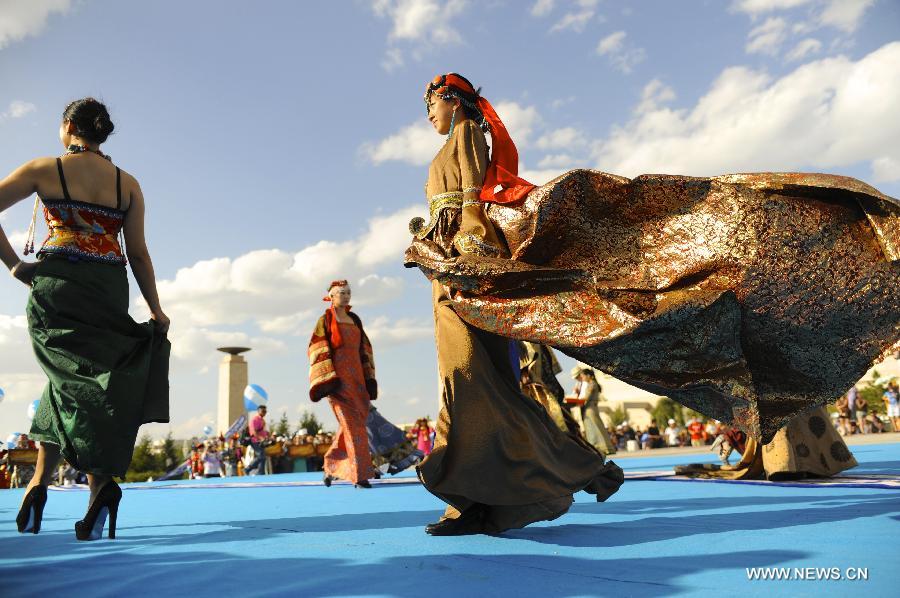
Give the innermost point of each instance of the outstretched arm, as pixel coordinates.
(139, 257)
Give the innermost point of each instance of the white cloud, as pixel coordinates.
(420, 25)
(804, 48)
(387, 332)
(297, 323)
(541, 176)
(418, 143)
(415, 144)
(21, 388)
(17, 239)
(768, 37)
(828, 113)
(385, 240)
(278, 291)
(576, 21)
(12, 328)
(758, 7)
(21, 379)
(621, 55)
(654, 94)
(542, 8)
(611, 43)
(17, 109)
(845, 14)
(375, 289)
(393, 59)
(559, 161)
(560, 102)
(198, 345)
(520, 120)
(886, 169)
(565, 138)
(20, 19)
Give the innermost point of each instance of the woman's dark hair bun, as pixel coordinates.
(91, 119)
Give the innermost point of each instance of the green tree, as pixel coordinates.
(171, 455)
(310, 422)
(873, 393)
(282, 428)
(144, 464)
(618, 415)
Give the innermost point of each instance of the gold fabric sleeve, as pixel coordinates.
(476, 234)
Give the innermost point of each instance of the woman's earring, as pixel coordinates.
(452, 122)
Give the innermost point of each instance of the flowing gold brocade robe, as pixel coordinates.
(749, 297)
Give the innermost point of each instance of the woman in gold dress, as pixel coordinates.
(499, 461)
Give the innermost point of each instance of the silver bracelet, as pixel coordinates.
(12, 271)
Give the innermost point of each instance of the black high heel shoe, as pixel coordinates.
(362, 484)
(32, 511)
(105, 503)
(327, 480)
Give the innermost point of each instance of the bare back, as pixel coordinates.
(88, 178)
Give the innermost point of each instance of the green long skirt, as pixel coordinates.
(107, 374)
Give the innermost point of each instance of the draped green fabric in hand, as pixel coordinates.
(107, 374)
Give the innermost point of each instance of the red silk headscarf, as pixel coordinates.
(334, 329)
(503, 168)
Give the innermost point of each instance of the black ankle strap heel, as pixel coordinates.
(29, 518)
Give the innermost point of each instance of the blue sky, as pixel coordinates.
(281, 144)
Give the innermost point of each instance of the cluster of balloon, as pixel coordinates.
(12, 439)
(255, 396)
(32, 408)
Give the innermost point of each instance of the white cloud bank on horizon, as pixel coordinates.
(212, 302)
(829, 113)
(19, 19)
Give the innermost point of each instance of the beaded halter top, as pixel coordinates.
(80, 230)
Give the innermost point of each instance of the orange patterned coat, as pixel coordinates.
(323, 379)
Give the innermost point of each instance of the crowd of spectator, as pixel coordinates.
(239, 456)
(256, 451)
(693, 433)
(854, 415)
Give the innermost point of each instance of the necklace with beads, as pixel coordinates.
(76, 148)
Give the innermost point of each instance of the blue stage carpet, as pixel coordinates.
(653, 538)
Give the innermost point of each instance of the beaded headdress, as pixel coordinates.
(503, 168)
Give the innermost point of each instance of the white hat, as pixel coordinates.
(671, 421)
